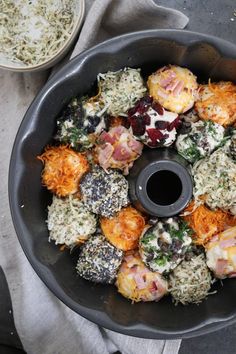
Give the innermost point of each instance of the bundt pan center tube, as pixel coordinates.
(159, 183)
(207, 57)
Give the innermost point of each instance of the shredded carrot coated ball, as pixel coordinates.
(217, 102)
(206, 222)
(63, 169)
(124, 229)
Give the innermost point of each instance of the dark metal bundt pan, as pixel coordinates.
(207, 57)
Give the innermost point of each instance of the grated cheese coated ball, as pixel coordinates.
(173, 87)
(217, 102)
(215, 180)
(99, 260)
(138, 283)
(69, 221)
(190, 282)
(124, 229)
(63, 168)
(104, 193)
(119, 90)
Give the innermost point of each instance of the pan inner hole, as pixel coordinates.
(164, 187)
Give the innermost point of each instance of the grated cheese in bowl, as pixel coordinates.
(33, 31)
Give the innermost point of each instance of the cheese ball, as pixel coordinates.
(163, 246)
(200, 140)
(124, 229)
(99, 260)
(206, 222)
(119, 90)
(104, 193)
(118, 149)
(173, 87)
(217, 102)
(69, 221)
(137, 283)
(221, 254)
(232, 147)
(190, 282)
(152, 124)
(80, 122)
(63, 169)
(215, 180)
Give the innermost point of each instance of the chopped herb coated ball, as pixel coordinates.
(190, 282)
(200, 139)
(99, 260)
(69, 221)
(163, 246)
(80, 123)
(104, 193)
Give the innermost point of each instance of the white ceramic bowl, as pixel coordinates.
(6, 63)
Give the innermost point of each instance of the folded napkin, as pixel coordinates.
(46, 325)
(109, 18)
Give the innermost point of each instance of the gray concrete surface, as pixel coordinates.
(215, 17)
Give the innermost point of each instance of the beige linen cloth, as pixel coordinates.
(45, 325)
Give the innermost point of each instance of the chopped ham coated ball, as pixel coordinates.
(221, 254)
(175, 88)
(138, 283)
(118, 149)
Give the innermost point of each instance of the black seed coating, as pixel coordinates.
(104, 193)
(99, 260)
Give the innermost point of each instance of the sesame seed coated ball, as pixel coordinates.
(99, 260)
(104, 193)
